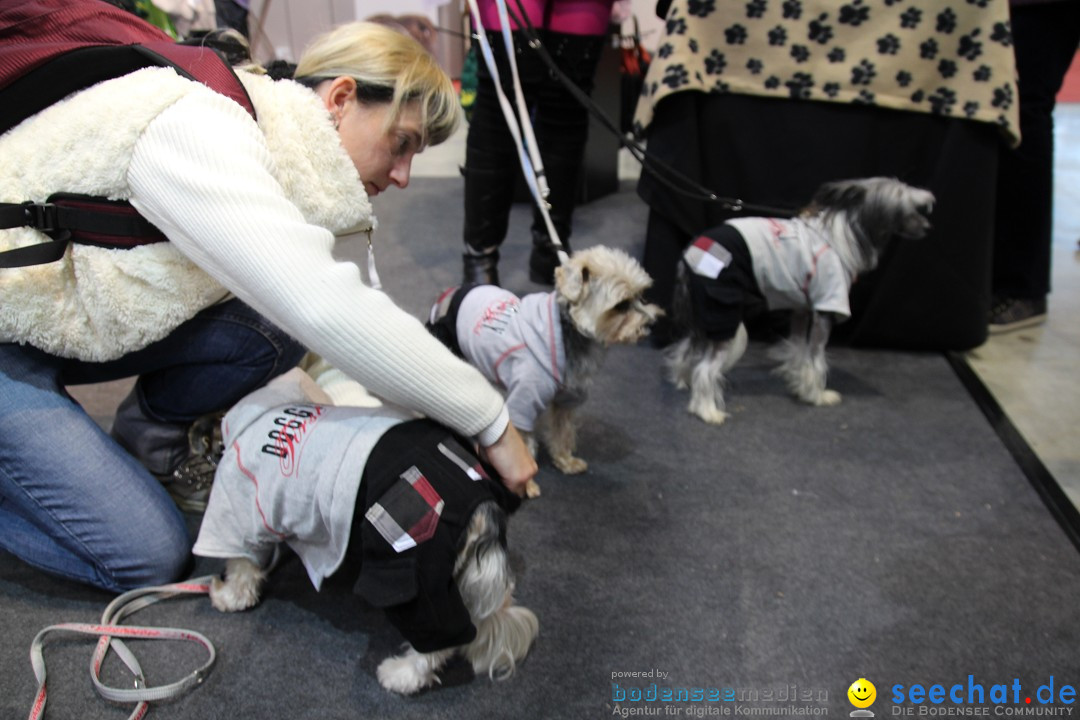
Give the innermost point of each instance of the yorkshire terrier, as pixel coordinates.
(431, 536)
(806, 264)
(543, 348)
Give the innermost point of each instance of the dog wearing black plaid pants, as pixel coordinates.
(806, 264)
(421, 511)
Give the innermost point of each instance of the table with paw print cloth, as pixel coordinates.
(763, 100)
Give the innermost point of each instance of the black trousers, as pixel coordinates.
(1045, 37)
(561, 125)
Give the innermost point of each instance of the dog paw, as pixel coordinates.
(710, 415)
(532, 490)
(570, 465)
(404, 675)
(232, 596)
(828, 397)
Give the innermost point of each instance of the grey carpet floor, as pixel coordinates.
(783, 555)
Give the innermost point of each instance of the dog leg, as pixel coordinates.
(241, 587)
(532, 489)
(559, 432)
(679, 362)
(707, 377)
(411, 671)
(802, 359)
(819, 338)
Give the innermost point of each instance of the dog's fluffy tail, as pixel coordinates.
(504, 631)
(502, 640)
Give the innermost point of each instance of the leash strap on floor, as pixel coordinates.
(111, 635)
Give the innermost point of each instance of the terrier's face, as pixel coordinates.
(601, 290)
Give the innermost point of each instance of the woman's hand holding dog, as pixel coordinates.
(512, 460)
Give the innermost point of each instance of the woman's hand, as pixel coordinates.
(512, 460)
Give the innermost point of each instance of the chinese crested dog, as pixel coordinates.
(545, 347)
(806, 264)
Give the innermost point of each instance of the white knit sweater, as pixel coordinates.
(249, 209)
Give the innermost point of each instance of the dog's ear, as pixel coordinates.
(572, 280)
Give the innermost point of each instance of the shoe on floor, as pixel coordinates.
(190, 482)
(1008, 314)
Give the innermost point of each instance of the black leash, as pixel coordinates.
(668, 177)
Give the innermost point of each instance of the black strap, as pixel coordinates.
(37, 254)
(58, 78)
(79, 218)
(79, 69)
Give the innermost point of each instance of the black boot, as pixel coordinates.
(481, 269)
(544, 258)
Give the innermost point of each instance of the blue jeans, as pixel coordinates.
(73, 501)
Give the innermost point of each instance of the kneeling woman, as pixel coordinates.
(244, 286)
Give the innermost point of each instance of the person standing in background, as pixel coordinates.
(1045, 37)
(573, 32)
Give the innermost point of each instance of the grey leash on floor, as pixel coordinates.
(109, 632)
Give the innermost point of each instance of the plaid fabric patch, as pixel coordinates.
(707, 258)
(408, 513)
(463, 459)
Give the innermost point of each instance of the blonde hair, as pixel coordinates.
(386, 62)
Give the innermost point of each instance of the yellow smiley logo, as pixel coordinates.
(862, 693)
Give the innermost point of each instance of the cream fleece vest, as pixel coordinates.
(98, 304)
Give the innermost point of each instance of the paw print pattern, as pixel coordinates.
(911, 18)
(820, 31)
(946, 21)
(676, 76)
(941, 101)
(947, 57)
(1003, 97)
(970, 48)
(854, 14)
(676, 26)
(735, 35)
(888, 45)
(756, 8)
(715, 62)
(799, 86)
(1002, 34)
(863, 73)
(701, 8)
